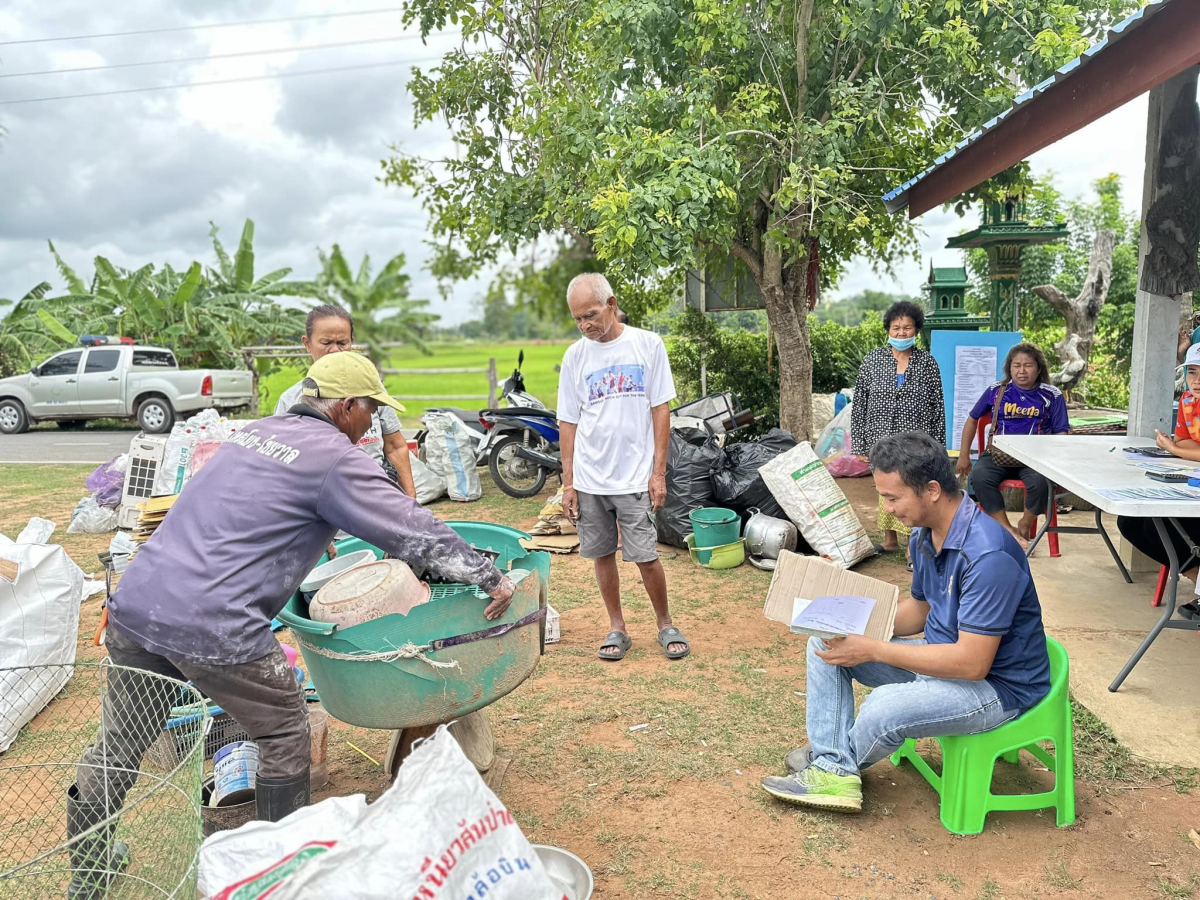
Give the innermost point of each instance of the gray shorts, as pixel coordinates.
(599, 516)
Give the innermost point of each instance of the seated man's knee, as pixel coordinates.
(874, 729)
(815, 644)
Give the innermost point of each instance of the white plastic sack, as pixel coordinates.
(207, 418)
(428, 483)
(802, 485)
(39, 618)
(438, 832)
(449, 453)
(36, 531)
(172, 471)
(822, 410)
(90, 517)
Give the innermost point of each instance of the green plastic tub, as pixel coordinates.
(442, 683)
(715, 526)
(727, 556)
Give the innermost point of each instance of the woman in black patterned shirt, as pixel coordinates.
(899, 389)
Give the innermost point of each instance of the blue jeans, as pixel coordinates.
(903, 705)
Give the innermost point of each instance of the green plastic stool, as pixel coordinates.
(965, 785)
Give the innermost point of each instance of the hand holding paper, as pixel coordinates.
(834, 616)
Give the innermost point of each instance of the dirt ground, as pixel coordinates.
(676, 810)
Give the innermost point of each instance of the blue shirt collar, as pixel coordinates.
(959, 525)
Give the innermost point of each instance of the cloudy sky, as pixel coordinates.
(138, 176)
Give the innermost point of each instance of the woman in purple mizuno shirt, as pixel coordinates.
(1023, 403)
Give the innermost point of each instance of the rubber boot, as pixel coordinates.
(96, 858)
(276, 798)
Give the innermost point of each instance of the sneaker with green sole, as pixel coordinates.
(818, 788)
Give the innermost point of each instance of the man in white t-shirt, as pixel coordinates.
(614, 425)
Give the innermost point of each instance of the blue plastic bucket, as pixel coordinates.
(234, 768)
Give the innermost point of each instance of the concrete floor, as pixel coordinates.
(1100, 619)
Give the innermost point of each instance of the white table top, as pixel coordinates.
(1086, 464)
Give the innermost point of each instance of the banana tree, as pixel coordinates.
(24, 335)
(381, 307)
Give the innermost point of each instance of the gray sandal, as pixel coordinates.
(616, 639)
(672, 635)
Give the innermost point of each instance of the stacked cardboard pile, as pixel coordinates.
(151, 512)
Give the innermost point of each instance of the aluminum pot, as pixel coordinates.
(766, 535)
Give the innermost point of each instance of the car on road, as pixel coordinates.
(127, 381)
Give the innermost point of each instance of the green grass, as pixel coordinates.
(541, 379)
(1060, 877)
(951, 880)
(1172, 891)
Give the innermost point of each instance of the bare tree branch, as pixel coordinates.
(803, 19)
(778, 143)
(752, 259)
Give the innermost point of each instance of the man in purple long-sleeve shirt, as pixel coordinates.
(198, 599)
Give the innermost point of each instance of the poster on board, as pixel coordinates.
(970, 362)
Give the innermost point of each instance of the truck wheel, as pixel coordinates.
(72, 424)
(13, 419)
(156, 416)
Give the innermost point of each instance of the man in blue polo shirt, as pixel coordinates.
(982, 660)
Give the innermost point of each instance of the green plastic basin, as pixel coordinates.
(715, 526)
(412, 692)
(727, 556)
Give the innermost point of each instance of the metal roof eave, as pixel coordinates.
(1058, 83)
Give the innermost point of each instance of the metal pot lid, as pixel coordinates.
(767, 565)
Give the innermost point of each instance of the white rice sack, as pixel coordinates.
(812, 499)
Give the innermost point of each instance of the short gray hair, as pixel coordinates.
(320, 404)
(596, 282)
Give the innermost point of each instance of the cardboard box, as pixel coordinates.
(811, 577)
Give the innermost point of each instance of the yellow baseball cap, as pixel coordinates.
(346, 374)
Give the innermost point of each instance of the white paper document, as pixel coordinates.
(1166, 492)
(831, 616)
(974, 372)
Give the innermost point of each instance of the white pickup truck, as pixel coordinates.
(121, 381)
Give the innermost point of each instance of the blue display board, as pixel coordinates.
(960, 356)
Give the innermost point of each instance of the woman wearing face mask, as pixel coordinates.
(899, 389)
(1023, 403)
(330, 329)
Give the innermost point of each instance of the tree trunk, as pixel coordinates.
(1080, 313)
(783, 288)
(252, 364)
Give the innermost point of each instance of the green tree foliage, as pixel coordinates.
(668, 133)
(382, 310)
(737, 360)
(204, 319)
(23, 337)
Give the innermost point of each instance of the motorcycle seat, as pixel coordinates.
(521, 411)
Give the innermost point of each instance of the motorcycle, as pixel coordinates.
(522, 439)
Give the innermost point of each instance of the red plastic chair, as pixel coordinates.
(1163, 572)
(1018, 484)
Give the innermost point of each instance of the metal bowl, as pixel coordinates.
(568, 872)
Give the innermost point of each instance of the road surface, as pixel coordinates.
(55, 446)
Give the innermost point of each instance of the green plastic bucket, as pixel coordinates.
(436, 685)
(715, 526)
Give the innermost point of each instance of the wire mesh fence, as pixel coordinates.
(100, 793)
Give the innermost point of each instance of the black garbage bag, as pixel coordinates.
(692, 454)
(736, 482)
